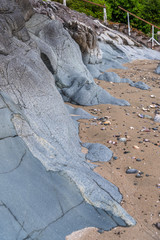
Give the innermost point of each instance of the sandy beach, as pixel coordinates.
(134, 139)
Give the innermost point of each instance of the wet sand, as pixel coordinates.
(141, 196)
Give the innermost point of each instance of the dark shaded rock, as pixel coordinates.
(98, 152)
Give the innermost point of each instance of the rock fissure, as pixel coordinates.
(15, 218)
(16, 166)
(40, 231)
(105, 191)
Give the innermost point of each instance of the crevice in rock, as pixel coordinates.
(15, 218)
(105, 191)
(40, 231)
(47, 62)
(16, 166)
(8, 137)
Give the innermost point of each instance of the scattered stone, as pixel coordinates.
(155, 128)
(122, 139)
(98, 152)
(152, 96)
(135, 147)
(157, 118)
(140, 115)
(131, 171)
(158, 185)
(115, 158)
(125, 152)
(153, 106)
(138, 160)
(107, 123)
(158, 225)
(145, 130)
(138, 175)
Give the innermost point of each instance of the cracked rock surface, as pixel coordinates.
(36, 203)
(48, 189)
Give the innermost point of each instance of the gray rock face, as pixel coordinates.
(35, 203)
(73, 79)
(30, 100)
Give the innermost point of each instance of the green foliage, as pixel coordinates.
(89, 9)
(146, 9)
(149, 10)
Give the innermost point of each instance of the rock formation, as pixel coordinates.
(46, 182)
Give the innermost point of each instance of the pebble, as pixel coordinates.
(138, 160)
(145, 130)
(155, 129)
(158, 225)
(115, 158)
(140, 115)
(153, 106)
(147, 116)
(158, 185)
(152, 96)
(122, 139)
(125, 152)
(131, 171)
(135, 147)
(144, 116)
(145, 109)
(138, 175)
(107, 123)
